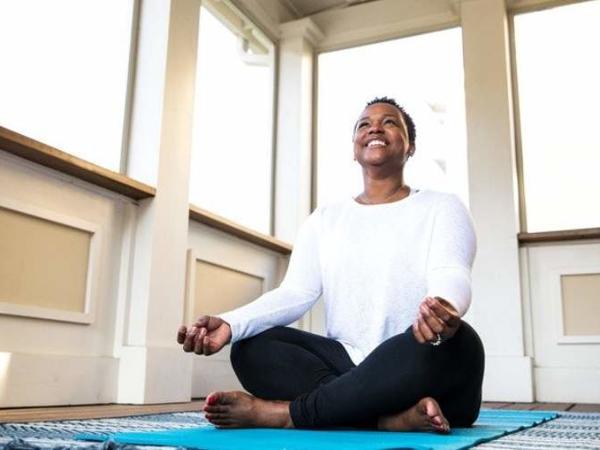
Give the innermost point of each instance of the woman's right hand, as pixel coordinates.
(206, 336)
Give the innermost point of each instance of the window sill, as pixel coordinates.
(220, 223)
(45, 155)
(559, 236)
(37, 152)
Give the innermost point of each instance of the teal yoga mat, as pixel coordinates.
(491, 424)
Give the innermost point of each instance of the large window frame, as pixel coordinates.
(524, 235)
(127, 106)
(237, 21)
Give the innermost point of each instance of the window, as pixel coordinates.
(559, 99)
(424, 74)
(231, 163)
(65, 66)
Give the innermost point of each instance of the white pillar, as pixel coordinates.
(294, 126)
(497, 310)
(153, 368)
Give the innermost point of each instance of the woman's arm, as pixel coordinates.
(297, 293)
(451, 254)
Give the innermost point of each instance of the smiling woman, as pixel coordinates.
(393, 266)
(431, 87)
(382, 145)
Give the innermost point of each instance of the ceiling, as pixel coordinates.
(303, 8)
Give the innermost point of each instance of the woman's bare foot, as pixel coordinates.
(240, 410)
(426, 415)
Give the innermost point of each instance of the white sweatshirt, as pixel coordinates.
(373, 264)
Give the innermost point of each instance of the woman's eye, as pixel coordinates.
(362, 124)
(389, 121)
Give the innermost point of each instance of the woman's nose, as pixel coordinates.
(375, 127)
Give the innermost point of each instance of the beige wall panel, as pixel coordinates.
(219, 289)
(42, 263)
(581, 304)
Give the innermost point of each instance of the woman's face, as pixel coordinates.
(380, 137)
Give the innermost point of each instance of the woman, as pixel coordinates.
(393, 266)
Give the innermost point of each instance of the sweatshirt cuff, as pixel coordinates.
(453, 284)
(234, 324)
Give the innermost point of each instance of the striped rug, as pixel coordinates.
(569, 431)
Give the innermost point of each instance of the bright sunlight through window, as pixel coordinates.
(233, 126)
(64, 74)
(424, 74)
(558, 69)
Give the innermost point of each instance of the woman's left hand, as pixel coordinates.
(437, 321)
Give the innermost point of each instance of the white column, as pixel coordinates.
(153, 367)
(294, 126)
(497, 310)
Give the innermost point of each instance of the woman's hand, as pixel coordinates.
(437, 321)
(206, 336)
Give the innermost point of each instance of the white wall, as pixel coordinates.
(45, 361)
(213, 246)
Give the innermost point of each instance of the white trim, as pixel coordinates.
(508, 379)
(561, 337)
(303, 28)
(92, 281)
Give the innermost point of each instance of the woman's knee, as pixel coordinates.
(254, 348)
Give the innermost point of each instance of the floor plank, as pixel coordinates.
(92, 411)
(495, 405)
(553, 406)
(520, 406)
(585, 407)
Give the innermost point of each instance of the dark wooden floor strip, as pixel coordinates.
(92, 411)
(495, 405)
(585, 407)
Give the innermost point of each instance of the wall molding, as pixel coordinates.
(190, 279)
(92, 279)
(557, 300)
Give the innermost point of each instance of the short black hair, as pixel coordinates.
(410, 124)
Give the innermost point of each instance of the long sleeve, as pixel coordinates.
(299, 290)
(451, 254)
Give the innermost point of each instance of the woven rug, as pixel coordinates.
(569, 431)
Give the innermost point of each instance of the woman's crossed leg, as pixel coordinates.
(298, 379)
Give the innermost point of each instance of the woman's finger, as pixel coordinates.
(417, 333)
(427, 333)
(181, 334)
(190, 337)
(435, 324)
(199, 343)
(445, 311)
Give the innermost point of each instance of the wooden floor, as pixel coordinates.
(105, 411)
(571, 407)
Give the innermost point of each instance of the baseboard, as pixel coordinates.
(508, 379)
(568, 385)
(213, 373)
(46, 380)
(154, 375)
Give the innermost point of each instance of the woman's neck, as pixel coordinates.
(386, 190)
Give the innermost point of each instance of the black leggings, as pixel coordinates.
(327, 390)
